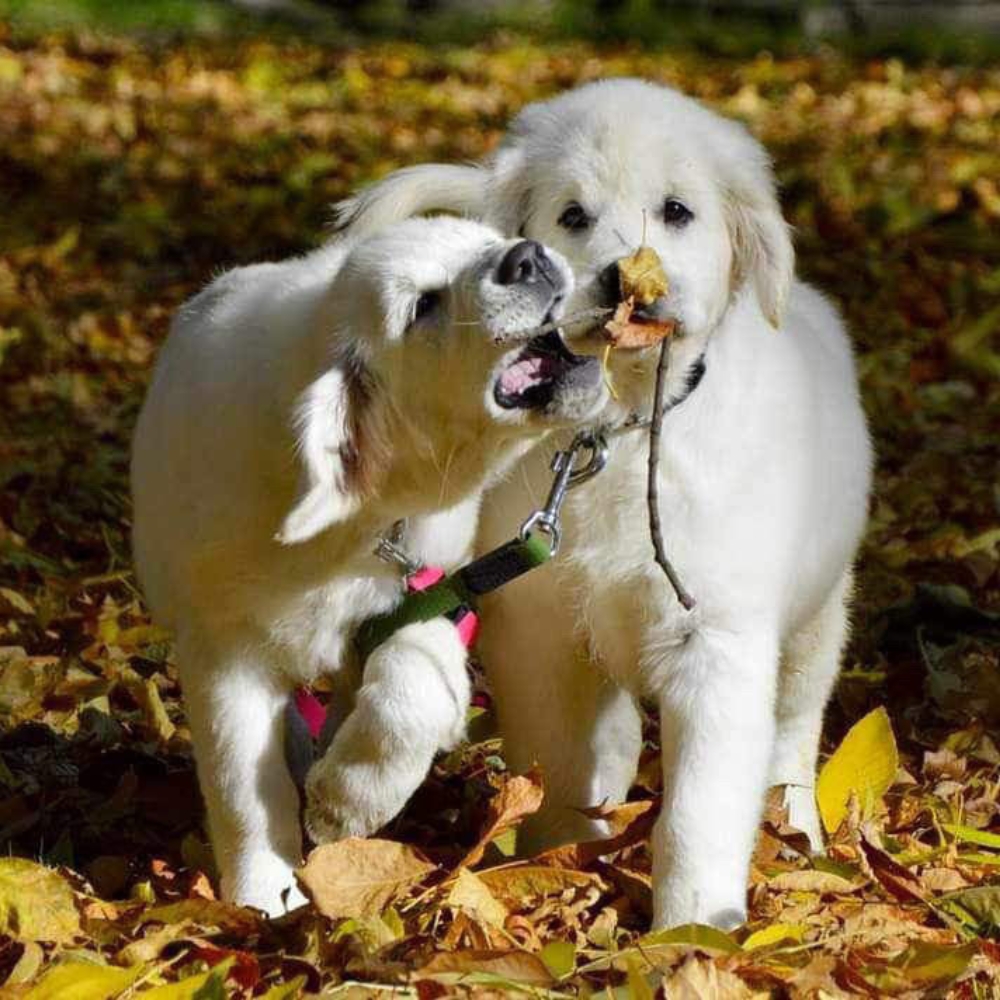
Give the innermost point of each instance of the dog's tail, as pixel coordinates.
(417, 190)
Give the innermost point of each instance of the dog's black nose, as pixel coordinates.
(610, 284)
(524, 263)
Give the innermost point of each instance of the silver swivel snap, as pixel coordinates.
(568, 475)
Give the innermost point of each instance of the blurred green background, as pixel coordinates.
(966, 30)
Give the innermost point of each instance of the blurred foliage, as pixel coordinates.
(738, 28)
(131, 172)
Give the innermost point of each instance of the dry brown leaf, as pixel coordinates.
(642, 817)
(518, 883)
(153, 942)
(699, 978)
(514, 966)
(944, 764)
(520, 796)
(817, 979)
(620, 816)
(636, 887)
(811, 881)
(628, 331)
(358, 878)
(201, 887)
(892, 876)
(470, 893)
(205, 913)
(942, 880)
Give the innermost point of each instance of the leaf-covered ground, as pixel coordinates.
(128, 176)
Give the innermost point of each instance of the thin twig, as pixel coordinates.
(556, 324)
(653, 483)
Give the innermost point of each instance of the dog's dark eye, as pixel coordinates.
(574, 217)
(676, 213)
(426, 304)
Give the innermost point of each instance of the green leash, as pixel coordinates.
(460, 590)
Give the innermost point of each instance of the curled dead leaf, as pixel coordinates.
(629, 330)
(635, 820)
(514, 967)
(520, 796)
(824, 883)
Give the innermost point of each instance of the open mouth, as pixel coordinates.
(530, 381)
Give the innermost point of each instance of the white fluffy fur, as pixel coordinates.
(765, 478)
(295, 414)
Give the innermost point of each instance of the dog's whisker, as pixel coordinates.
(574, 319)
(445, 472)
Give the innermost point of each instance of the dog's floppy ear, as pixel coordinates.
(417, 190)
(508, 196)
(343, 447)
(762, 244)
(508, 191)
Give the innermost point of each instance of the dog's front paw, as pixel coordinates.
(685, 896)
(264, 881)
(354, 799)
(332, 812)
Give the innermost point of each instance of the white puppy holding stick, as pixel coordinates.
(764, 469)
(298, 411)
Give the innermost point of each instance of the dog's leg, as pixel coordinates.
(717, 725)
(809, 668)
(412, 703)
(558, 710)
(235, 705)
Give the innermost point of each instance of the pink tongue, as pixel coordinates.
(522, 375)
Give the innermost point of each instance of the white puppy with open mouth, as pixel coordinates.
(298, 410)
(765, 473)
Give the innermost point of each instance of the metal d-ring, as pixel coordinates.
(567, 477)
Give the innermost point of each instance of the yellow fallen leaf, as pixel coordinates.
(864, 765)
(559, 958)
(17, 601)
(701, 936)
(156, 712)
(286, 991)
(374, 933)
(36, 903)
(774, 934)
(188, 989)
(640, 276)
(639, 985)
(82, 981)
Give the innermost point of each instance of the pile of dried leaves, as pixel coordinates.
(129, 176)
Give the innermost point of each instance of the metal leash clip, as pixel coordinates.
(389, 549)
(567, 477)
